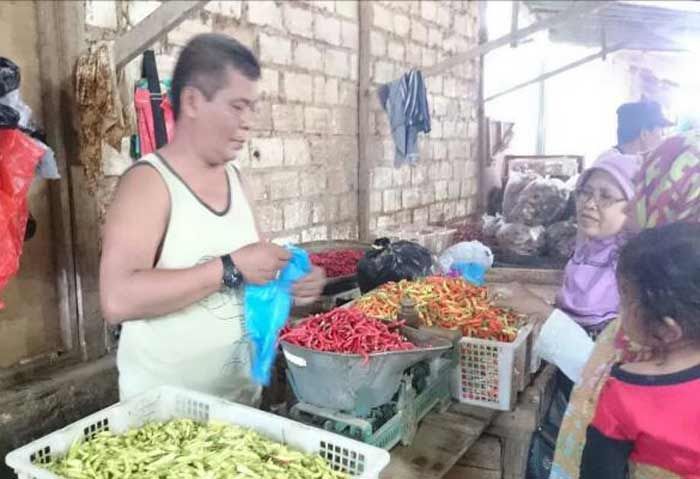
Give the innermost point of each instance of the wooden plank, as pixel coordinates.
(485, 454)
(471, 472)
(483, 154)
(364, 111)
(168, 16)
(441, 439)
(565, 68)
(56, 85)
(573, 13)
(548, 277)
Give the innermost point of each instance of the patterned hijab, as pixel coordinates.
(668, 185)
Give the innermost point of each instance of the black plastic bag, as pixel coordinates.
(9, 76)
(9, 117)
(393, 262)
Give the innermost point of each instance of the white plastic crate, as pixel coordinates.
(491, 373)
(355, 458)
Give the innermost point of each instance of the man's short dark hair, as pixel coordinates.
(203, 64)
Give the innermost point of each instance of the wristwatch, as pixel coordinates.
(233, 278)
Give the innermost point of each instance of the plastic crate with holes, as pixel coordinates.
(491, 373)
(356, 459)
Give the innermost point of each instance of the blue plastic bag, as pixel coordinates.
(266, 310)
(475, 273)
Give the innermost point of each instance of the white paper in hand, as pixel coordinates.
(565, 344)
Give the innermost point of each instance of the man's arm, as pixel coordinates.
(130, 288)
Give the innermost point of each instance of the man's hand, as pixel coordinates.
(260, 262)
(309, 288)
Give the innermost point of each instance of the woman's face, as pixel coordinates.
(601, 206)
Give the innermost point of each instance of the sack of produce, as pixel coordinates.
(560, 239)
(542, 202)
(517, 182)
(490, 225)
(520, 239)
(393, 262)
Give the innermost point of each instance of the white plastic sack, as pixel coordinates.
(466, 252)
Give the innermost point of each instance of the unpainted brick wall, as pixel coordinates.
(442, 186)
(303, 157)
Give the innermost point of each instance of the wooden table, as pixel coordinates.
(441, 439)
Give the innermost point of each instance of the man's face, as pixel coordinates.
(650, 139)
(224, 122)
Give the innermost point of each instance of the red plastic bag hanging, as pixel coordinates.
(19, 156)
(144, 114)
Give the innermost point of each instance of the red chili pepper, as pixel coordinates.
(347, 330)
(342, 262)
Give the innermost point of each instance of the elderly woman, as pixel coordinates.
(667, 191)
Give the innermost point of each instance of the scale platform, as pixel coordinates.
(424, 386)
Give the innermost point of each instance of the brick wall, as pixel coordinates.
(442, 186)
(303, 158)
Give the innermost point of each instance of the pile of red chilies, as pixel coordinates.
(341, 262)
(347, 330)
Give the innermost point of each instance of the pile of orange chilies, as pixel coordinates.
(450, 303)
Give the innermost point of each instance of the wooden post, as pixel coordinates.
(364, 112)
(483, 148)
(53, 77)
(61, 41)
(514, 22)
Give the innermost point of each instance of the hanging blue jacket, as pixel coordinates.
(406, 102)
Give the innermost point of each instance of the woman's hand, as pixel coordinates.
(517, 297)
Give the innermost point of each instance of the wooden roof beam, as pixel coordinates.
(166, 17)
(567, 67)
(579, 9)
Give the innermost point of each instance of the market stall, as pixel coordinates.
(420, 376)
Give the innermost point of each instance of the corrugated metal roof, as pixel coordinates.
(644, 25)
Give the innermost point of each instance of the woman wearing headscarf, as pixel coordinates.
(667, 190)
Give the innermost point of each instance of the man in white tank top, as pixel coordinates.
(180, 238)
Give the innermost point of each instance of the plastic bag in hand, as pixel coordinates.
(19, 156)
(393, 262)
(266, 310)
